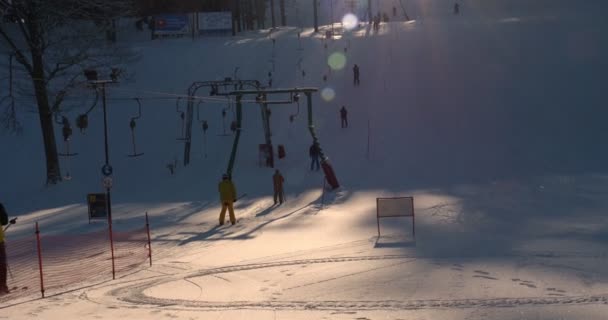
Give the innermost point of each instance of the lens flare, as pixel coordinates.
(336, 61)
(350, 21)
(328, 94)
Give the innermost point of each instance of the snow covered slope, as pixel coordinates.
(493, 120)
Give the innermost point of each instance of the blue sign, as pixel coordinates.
(171, 24)
(107, 170)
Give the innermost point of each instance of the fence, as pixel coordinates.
(52, 264)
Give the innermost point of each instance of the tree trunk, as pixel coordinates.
(53, 172)
(261, 14)
(282, 8)
(274, 25)
(316, 17)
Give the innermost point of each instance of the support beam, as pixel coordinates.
(237, 136)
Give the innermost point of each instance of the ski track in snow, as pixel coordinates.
(132, 295)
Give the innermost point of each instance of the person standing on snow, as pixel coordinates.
(356, 74)
(315, 153)
(343, 117)
(456, 8)
(277, 180)
(228, 198)
(3, 264)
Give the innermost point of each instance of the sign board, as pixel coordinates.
(98, 206)
(214, 22)
(107, 170)
(171, 25)
(395, 207)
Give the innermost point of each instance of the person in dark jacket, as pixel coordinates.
(3, 264)
(344, 117)
(356, 75)
(228, 198)
(315, 153)
(277, 181)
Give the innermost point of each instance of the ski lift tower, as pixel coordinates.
(218, 88)
(261, 97)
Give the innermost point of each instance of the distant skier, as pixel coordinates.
(3, 264)
(394, 11)
(344, 117)
(356, 75)
(277, 181)
(315, 153)
(456, 8)
(228, 198)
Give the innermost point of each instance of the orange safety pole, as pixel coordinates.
(39, 259)
(111, 247)
(149, 244)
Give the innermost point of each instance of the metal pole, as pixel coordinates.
(39, 259)
(108, 193)
(239, 115)
(107, 155)
(331, 4)
(188, 137)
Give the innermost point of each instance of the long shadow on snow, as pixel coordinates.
(207, 235)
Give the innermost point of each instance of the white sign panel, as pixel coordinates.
(214, 21)
(107, 182)
(395, 207)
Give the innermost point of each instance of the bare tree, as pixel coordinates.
(54, 41)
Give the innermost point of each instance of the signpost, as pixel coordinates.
(98, 208)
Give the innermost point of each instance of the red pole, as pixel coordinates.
(111, 247)
(149, 244)
(39, 259)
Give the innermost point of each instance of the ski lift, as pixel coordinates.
(82, 121)
(204, 125)
(224, 117)
(295, 98)
(182, 117)
(67, 135)
(132, 125)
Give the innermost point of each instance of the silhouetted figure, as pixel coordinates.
(344, 117)
(277, 180)
(315, 154)
(456, 8)
(356, 75)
